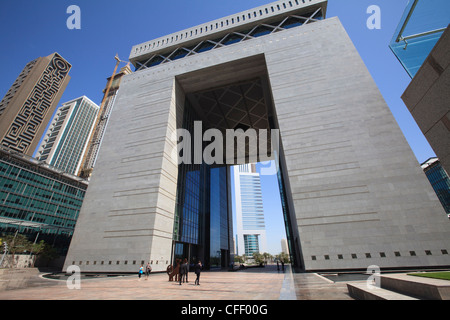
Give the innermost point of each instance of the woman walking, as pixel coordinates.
(141, 271)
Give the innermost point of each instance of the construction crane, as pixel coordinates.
(85, 172)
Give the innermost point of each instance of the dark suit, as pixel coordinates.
(198, 269)
(184, 269)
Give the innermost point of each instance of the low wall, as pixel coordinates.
(19, 261)
(22, 261)
(17, 278)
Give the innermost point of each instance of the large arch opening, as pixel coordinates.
(231, 98)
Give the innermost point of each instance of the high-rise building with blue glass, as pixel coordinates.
(439, 180)
(250, 222)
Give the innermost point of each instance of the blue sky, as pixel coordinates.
(30, 29)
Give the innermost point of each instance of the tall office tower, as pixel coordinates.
(439, 180)
(66, 139)
(352, 191)
(251, 229)
(284, 246)
(101, 123)
(29, 104)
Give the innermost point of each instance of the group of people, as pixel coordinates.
(146, 271)
(184, 271)
(183, 274)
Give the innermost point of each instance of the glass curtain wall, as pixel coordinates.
(441, 184)
(28, 195)
(201, 223)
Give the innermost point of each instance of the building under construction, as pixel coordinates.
(110, 93)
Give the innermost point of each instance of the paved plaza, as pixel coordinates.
(251, 284)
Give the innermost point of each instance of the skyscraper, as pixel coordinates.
(101, 123)
(66, 139)
(284, 246)
(352, 191)
(439, 180)
(30, 102)
(251, 229)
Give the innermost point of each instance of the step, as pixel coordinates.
(422, 288)
(360, 291)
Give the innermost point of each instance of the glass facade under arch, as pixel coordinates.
(202, 225)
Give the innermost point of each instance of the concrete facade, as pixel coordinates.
(355, 192)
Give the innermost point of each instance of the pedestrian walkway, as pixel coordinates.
(250, 284)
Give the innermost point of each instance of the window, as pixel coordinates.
(354, 256)
(368, 255)
(382, 255)
(428, 252)
(397, 254)
(313, 258)
(340, 257)
(327, 257)
(444, 251)
(412, 253)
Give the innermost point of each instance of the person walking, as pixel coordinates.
(183, 270)
(148, 269)
(186, 270)
(141, 271)
(198, 269)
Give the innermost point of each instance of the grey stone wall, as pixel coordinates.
(356, 187)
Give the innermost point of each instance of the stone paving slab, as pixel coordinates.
(259, 284)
